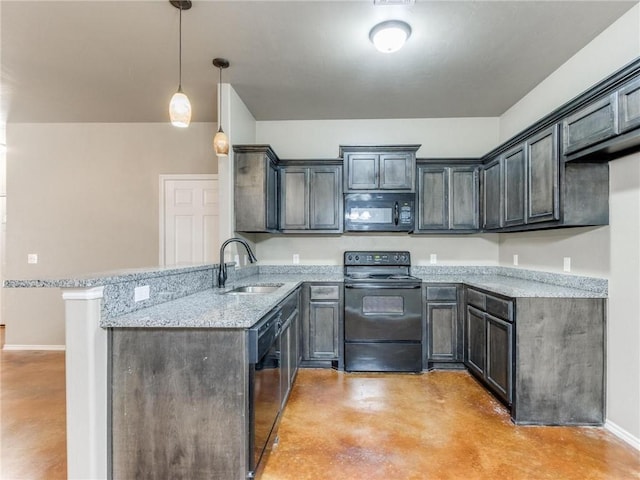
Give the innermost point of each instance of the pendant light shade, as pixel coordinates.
(180, 106)
(180, 110)
(220, 141)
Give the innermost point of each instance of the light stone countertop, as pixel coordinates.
(213, 309)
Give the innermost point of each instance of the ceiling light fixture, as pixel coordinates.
(220, 141)
(180, 107)
(390, 36)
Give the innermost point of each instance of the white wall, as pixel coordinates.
(84, 197)
(610, 251)
(446, 137)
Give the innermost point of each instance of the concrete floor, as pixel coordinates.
(440, 425)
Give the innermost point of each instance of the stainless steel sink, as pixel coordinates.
(254, 289)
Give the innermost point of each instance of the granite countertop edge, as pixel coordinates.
(214, 308)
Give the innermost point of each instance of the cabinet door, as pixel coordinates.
(294, 193)
(593, 124)
(325, 198)
(514, 170)
(463, 198)
(492, 195)
(542, 176)
(433, 194)
(285, 364)
(362, 171)
(396, 171)
(498, 361)
(323, 330)
(476, 340)
(271, 202)
(294, 347)
(442, 320)
(629, 106)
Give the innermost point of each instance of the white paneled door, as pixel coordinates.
(188, 219)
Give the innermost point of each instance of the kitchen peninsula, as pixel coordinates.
(126, 359)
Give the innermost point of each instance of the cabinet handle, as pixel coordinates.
(396, 213)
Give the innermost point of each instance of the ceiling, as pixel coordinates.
(117, 61)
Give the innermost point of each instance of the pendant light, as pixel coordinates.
(180, 107)
(220, 141)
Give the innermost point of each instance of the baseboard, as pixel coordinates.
(621, 433)
(33, 347)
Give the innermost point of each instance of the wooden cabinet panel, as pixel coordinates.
(542, 176)
(433, 194)
(476, 340)
(325, 198)
(442, 320)
(514, 170)
(499, 357)
(255, 188)
(295, 199)
(590, 125)
(396, 171)
(463, 198)
(629, 106)
(323, 330)
(362, 171)
(492, 195)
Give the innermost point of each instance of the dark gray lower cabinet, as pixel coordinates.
(321, 325)
(444, 329)
(542, 356)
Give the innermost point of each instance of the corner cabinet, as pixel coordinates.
(255, 188)
(311, 197)
(448, 198)
(322, 335)
(379, 168)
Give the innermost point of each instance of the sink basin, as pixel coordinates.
(254, 289)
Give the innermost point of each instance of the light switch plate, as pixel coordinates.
(433, 258)
(296, 258)
(566, 264)
(515, 259)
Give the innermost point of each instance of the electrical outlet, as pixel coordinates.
(296, 258)
(32, 258)
(245, 259)
(566, 264)
(515, 259)
(433, 258)
(236, 258)
(141, 293)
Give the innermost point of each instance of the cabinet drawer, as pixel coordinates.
(499, 308)
(324, 292)
(476, 299)
(441, 293)
(591, 125)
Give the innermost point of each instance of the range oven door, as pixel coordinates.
(383, 328)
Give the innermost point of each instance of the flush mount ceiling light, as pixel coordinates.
(180, 107)
(390, 36)
(220, 141)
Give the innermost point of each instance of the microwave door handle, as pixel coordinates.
(396, 214)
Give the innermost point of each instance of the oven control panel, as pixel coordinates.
(393, 258)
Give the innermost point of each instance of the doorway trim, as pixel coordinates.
(163, 178)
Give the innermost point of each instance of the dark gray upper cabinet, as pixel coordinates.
(375, 168)
(543, 176)
(255, 188)
(492, 195)
(592, 124)
(447, 198)
(311, 198)
(514, 171)
(629, 106)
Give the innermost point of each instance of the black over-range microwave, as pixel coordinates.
(379, 212)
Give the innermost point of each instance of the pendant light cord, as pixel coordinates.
(220, 101)
(180, 53)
